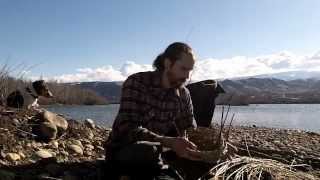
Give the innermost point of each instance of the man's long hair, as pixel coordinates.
(173, 53)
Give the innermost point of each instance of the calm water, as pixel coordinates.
(294, 116)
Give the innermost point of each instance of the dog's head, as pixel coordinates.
(42, 89)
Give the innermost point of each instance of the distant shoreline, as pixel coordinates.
(57, 104)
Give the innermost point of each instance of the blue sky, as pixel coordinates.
(116, 38)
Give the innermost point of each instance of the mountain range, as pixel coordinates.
(292, 75)
(238, 91)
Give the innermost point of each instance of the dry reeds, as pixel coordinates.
(4, 75)
(214, 146)
(213, 141)
(256, 169)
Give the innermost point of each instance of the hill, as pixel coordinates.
(239, 92)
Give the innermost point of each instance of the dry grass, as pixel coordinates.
(240, 168)
(236, 167)
(4, 75)
(215, 149)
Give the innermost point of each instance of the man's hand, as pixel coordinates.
(182, 147)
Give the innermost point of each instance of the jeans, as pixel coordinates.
(145, 160)
(142, 160)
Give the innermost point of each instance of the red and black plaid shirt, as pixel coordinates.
(147, 110)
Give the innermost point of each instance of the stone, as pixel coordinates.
(64, 153)
(21, 154)
(2, 162)
(100, 148)
(89, 123)
(62, 144)
(60, 122)
(88, 153)
(85, 141)
(13, 157)
(36, 145)
(15, 121)
(75, 149)
(43, 154)
(54, 154)
(89, 146)
(47, 131)
(29, 144)
(76, 142)
(101, 158)
(97, 143)
(54, 144)
(89, 134)
(2, 154)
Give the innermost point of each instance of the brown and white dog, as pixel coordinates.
(28, 96)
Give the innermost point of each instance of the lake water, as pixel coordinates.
(293, 116)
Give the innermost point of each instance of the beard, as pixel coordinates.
(174, 81)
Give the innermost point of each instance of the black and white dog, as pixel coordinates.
(28, 97)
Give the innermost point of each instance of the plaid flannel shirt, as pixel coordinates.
(147, 110)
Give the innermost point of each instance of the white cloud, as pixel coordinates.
(211, 68)
(106, 73)
(131, 67)
(228, 68)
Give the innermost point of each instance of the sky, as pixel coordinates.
(81, 40)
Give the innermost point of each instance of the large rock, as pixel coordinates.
(42, 154)
(47, 131)
(75, 149)
(50, 126)
(60, 122)
(13, 157)
(89, 123)
(54, 144)
(88, 134)
(76, 142)
(22, 155)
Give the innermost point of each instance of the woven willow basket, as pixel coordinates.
(211, 144)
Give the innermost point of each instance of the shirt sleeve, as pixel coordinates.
(187, 121)
(127, 126)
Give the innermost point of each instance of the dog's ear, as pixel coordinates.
(38, 83)
(38, 86)
(42, 88)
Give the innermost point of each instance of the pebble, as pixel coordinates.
(13, 157)
(43, 154)
(75, 149)
(80, 145)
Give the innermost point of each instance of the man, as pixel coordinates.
(155, 111)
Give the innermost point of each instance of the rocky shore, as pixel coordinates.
(78, 152)
(292, 147)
